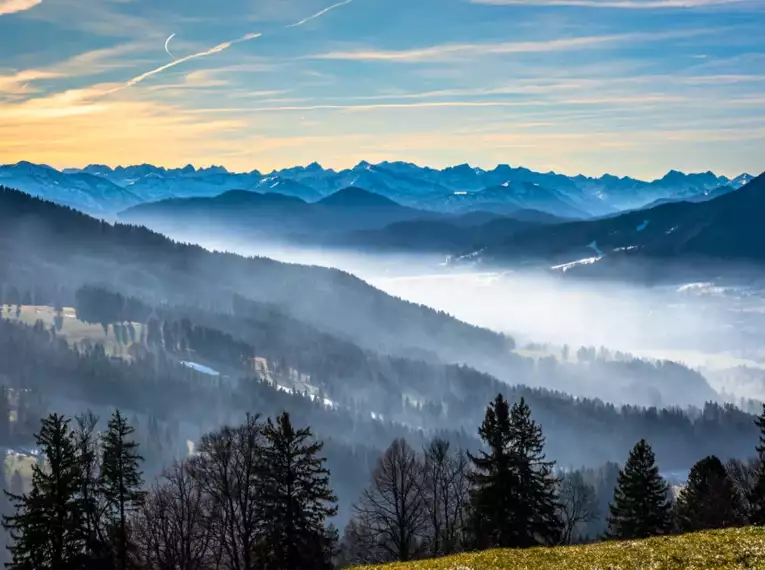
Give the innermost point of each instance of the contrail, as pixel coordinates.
(217, 49)
(167, 43)
(319, 14)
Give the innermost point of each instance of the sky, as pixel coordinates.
(629, 87)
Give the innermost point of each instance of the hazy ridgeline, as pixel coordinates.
(361, 367)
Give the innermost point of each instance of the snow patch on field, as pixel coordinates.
(201, 368)
(586, 261)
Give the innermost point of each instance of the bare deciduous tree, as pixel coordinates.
(391, 517)
(445, 489)
(171, 528)
(578, 504)
(228, 469)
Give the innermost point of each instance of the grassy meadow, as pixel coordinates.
(712, 550)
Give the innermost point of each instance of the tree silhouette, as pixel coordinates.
(757, 493)
(641, 506)
(709, 499)
(390, 520)
(47, 527)
(514, 503)
(121, 481)
(296, 500)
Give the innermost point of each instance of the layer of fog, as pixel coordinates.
(705, 327)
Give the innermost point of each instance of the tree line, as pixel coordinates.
(258, 496)
(508, 495)
(253, 496)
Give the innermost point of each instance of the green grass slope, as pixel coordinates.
(714, 550)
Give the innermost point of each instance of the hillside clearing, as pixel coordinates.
(72, 328)
(712, 550)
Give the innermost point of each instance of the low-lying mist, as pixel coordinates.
(701, 325)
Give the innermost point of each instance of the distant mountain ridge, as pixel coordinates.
(244, 214)
(726, 229)
(462, 188)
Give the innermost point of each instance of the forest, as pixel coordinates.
(259, 495)
(96, 318)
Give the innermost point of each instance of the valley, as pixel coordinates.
(444, 284)
(190, 313)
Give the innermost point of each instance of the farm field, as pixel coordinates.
(73, 329)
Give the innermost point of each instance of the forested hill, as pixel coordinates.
(43, 245)
(41, 242)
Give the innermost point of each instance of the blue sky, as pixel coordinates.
(632, 87)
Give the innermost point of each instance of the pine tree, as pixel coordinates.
(709, 499)
(86, 440)
(120, 482)
(47, 527)
(514, 501)
(641, 506)
(757, 494)
(296, 499)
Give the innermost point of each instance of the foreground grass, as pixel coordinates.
(714, 550)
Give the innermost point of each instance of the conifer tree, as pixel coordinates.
(86, 440)
(709, 499)
(641, 506)
(47, 527)
(757, 493)
(296, 499)
(120, 481)
(514, 501)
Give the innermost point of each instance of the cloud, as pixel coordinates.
(72, 127)
(19, 83)
(13, 6)
(629, 4)
(319, 14)
(445, 52)
(216, 49)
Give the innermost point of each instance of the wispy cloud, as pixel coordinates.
(13, 6)
(216, 49)
(450, 51)
(20, 82)
(630, 101)
(629, 4)
(319, 14)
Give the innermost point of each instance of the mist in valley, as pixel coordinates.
(709, 327)
(364, 355)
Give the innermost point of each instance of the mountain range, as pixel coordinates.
(103, 190)
(724, 225)
(47, 250)
(727, 229)
(241, 214)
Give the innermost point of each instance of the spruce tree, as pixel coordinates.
(296, 500)
(757, 493)
(120, 482)
(86, 440)
(514, 502)
(709, 499)
(641, 505)
(47, 527)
